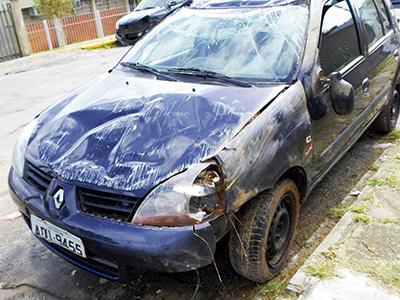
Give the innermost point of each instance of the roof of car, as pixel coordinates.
(241, 3)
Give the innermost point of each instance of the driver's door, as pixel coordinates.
(340, 51)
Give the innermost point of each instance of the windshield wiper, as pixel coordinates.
(143, 68)
(209, 74)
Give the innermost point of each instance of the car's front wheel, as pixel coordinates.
(387, 119)
(260, 242)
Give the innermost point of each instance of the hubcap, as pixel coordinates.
(279, 232)
(394, 109)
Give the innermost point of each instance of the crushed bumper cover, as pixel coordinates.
(113, 248)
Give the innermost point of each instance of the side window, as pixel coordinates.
(370, 18)
(339, 41)
(384, 15)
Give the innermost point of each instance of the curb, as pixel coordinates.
(301, 285)
(97, 45)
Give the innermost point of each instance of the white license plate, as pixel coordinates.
(58, 236)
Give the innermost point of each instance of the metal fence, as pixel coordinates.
(45, 35)
(9, 45)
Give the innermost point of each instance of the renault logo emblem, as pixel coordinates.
(58, 198)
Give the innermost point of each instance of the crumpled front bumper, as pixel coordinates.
(113, 248)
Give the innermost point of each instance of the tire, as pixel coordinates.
(251, 248)
(387, 119)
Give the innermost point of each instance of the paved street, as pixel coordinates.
(29, 271)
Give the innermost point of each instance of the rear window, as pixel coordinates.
(371, 20)
(383, 14)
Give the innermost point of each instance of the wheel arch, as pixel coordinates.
(299, 177)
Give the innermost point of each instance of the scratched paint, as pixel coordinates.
(131, 137)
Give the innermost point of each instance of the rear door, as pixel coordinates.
(380, 40)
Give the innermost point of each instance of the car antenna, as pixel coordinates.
(119, 61)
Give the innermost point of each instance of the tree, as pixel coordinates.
(55, 9)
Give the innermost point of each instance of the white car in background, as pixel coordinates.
(396, 8)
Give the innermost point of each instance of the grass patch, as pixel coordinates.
(392, 181)
(387, 273)
(367, 197)
(361, 218)
(330, 254)
(374, 167)
(337, 213)
(321, 269)
(389, 180)
(359, 208)
(375, 182)
(385, 221)
(272, 289)
(395, 134)
(394, 274)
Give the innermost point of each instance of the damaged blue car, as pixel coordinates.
(219, 121)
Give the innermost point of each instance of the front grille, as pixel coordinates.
(36, 177)
(107, 205)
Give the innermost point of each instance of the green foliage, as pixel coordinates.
(337, 213)
(321, 269)
(55, 8)
(362, 218)
(395, 134)
(359, 208)
(375, 182)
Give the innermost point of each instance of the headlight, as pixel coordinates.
(20, 147)
(192, 197)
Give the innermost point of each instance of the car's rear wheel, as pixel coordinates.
(387, 119)
(265, 227)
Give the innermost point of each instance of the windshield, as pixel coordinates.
(259, 43)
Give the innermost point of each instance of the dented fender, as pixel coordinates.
(275, 141)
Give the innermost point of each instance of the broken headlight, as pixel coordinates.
(191, 197)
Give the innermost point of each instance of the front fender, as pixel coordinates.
(276, 140)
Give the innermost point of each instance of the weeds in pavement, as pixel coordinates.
(323, 269)
(359, 208)
(391, 181)
(337, 213)
(367, 197)
(329, 254)
(395, 134)
(374, 167)
(375, 182)
(394, 274)
(387, 273)
(385, 221)
(361, 218)
(272, 289)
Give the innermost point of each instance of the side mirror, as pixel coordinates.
(342, 94)
(172, 3)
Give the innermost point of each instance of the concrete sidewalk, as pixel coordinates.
(360, 258)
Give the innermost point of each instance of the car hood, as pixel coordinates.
(138, 15)
(130, 133)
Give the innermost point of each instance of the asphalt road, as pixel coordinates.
(29, 271)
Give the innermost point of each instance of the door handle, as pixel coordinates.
(365, 86)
